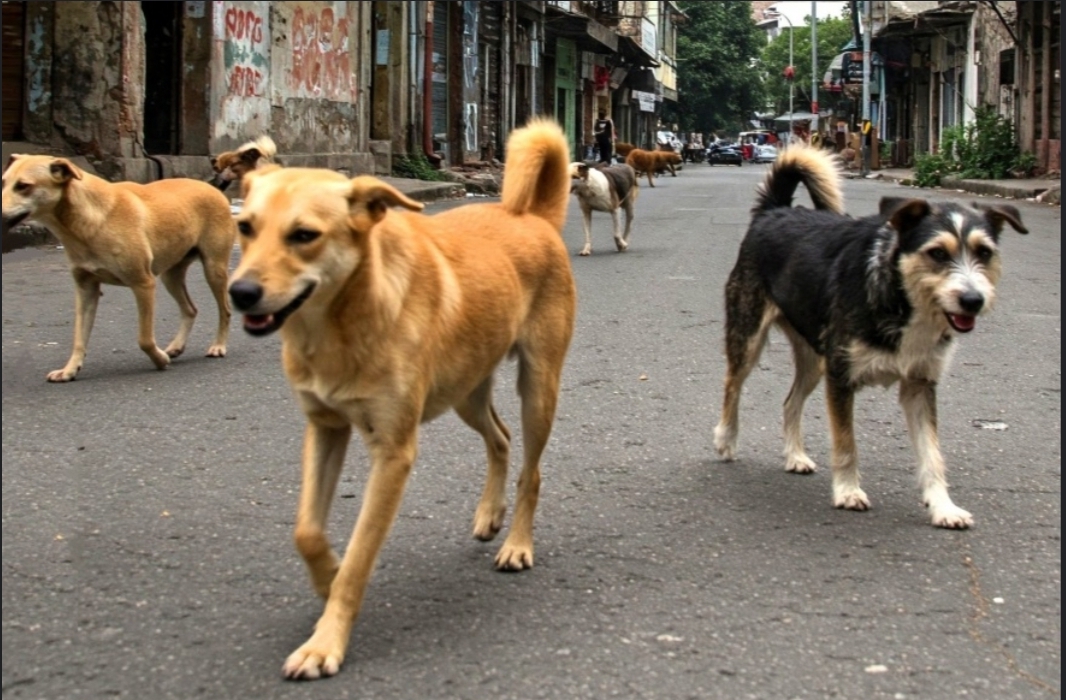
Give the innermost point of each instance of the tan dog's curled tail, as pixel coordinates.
(537, 173)
(266, 146)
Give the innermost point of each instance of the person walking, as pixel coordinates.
(605, 137)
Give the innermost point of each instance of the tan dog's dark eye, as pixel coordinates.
(938, 255)
(302, 235)
(244, 228)
(22, 187)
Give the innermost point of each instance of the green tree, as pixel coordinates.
(719, 81)
(833, 34)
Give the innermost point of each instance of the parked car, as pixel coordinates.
(724, 154)
(667, 138)
(765, 154)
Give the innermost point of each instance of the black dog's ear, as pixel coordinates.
(996, 214)
(889, 205)
(906, 214)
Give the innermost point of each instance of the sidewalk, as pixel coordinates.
(1042, 189)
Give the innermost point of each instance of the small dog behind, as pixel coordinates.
(233, 165)
(865, 301)
(652, 162)
(387, 320)
(623, 149)
(126, 234)
(608, 189)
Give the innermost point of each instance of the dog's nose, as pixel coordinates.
(245, 294)
(971, 302)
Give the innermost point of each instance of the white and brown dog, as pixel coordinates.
(605, 188)
(233, 165)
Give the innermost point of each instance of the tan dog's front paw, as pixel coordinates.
(587, 250)
(799, 464)
(159, 358)
(514, 558)
(173, 351)
(621, 245)
(216, 351)
(311, 662)
(488, 522)
(62, 375)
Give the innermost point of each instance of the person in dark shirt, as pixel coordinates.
(605, 136)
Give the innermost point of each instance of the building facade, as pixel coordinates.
(145, 90)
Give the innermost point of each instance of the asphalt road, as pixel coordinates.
(147, 515)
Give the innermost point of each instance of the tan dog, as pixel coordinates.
(651, 162)
(388, 319)
(623, 149)
(233, 165)
(126, 234)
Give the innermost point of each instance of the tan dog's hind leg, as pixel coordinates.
(918, 399)
(323, 653)
(174, 281)
(144, 293)
(538, 385)
(616, 224)
(86, 299)
(478, 412)
(217, 274)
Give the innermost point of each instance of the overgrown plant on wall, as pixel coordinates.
(984, 149)
(415, 166)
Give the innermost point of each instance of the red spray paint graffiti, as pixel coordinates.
(321, 60)
(244, 49)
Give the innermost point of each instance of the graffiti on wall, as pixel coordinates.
(321, 56)
(245, 52)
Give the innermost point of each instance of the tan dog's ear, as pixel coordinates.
(63, 170)
(12, 159)
(214, 162)
(248, 178)
(375, 197)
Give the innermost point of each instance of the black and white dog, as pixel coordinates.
(605, 188)
(865, 301)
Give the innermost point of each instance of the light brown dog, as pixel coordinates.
(390, 318)
(231, 166)
(623, 149)
(126, 234)
(651, 162)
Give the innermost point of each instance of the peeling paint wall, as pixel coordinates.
(315, 76)
(241, 71)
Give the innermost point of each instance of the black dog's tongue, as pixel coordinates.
(962, 323)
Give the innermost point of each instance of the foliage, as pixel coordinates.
(1024, 164)
(984, 149)
(718, 82)
(833, 34)
(415, 165)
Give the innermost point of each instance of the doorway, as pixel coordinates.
(162, 88)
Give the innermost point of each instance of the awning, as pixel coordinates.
(588, 34)
(928, 23)
(634, 53)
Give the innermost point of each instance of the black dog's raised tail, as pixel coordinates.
(815, 168)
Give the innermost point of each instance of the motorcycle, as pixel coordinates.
(724, 154)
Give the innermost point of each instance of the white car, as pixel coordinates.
(765, 154)
(667, 138)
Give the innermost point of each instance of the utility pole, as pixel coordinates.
(867, 128)
(814, 63)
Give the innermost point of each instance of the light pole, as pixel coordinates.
(790, 71)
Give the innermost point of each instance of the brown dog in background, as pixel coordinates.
(623, 149)
(651, 162)
(387, 320)
(126, 234)
(233, 165)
